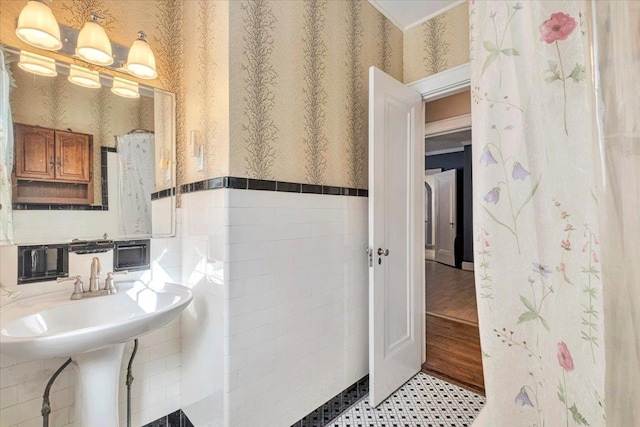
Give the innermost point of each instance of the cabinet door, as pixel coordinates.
(73, 157)
(34, 152)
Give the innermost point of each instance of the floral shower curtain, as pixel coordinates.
(136, 154)
(538, 247)
(6, 156)
(617, 54)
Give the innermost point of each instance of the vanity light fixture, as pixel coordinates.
(38, 27)
(84, 77)
(37, 64)
(140, 61)
(125, 88)
(93, 43)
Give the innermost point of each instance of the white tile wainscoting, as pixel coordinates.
(279, 321)
(278, 325)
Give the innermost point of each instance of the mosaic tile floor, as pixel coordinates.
(424, 401)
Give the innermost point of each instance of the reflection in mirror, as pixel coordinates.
(88, 153)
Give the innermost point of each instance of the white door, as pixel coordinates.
(396, 233)
(446, 227)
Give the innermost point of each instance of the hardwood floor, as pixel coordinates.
(452, 336)
(451, 292)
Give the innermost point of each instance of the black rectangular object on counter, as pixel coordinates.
(131, 255)
(41, 263)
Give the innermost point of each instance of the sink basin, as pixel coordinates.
(51, 325)
(93, 332)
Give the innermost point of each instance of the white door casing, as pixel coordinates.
(396, 196)
(446, 224)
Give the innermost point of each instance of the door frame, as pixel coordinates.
(445, 83)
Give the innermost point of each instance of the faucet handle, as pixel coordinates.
(78, 289)
(108, 284)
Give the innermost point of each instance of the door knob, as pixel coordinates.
(383, 252)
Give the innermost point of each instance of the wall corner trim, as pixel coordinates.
(434, 14)
(387, 15)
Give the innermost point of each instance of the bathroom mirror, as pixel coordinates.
(93, 154)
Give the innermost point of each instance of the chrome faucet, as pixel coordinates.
(94, 278)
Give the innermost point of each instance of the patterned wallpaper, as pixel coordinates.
(298, 75)
(437, 44)
(198, 106)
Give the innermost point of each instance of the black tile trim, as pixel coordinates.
(174, 419)
(163, 193)
(261, 184)
(57, 207)
(266, 185)
(335, 406)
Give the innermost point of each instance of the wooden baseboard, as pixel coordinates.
(453, 349)
(468, 266)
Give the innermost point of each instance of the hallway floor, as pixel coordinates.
(424, 401)
(451, 292)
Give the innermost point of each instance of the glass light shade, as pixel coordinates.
(37, 64)
(84, 77)
(125, 88)
(94, 45)
(38, 27)
(140, 61)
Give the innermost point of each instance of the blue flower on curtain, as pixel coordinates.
(519, 172)
(487, 158)
(522, 398)
(543, 270)
(493, 196)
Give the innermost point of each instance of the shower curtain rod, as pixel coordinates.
(133, 132)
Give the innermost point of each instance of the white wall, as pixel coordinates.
(279, 320)
(277, 327)
(203, 321)
(156, 389)
(298, 293)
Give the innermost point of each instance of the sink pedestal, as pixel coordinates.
(97, 386)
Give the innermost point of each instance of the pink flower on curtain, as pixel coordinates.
(558, 27)
(564, 357)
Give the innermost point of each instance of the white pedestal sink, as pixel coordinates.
(92, 332)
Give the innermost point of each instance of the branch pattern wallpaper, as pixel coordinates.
(314, 112)
(436, 45)
(315, 54)
(298, 83)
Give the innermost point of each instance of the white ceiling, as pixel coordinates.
(408, 13)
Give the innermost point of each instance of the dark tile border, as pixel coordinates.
(320, 417)
(104, 182)
(174, 419)
(163, 193)
(335, 406)
(267, 185)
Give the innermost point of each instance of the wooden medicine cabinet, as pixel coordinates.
(52, 166)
